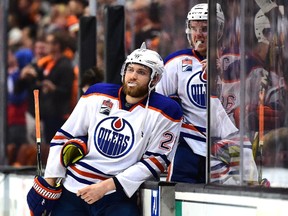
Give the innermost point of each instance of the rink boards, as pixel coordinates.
(166, 199)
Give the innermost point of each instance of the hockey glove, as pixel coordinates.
(226, 151)
(73, 151)
(42, 197)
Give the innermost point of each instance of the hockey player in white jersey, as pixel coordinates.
(185, 78)
(123, 135)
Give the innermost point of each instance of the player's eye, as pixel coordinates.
(199, 30)
(129, 70)
(142, 72)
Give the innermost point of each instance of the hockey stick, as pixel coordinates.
(261, 130)
(38, 131)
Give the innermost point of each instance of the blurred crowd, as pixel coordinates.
(42, 54)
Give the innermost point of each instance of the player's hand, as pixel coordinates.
(95, 192)
(28, 72)
(73, 151)
(42, 197)
(204, 65)
(48, 86)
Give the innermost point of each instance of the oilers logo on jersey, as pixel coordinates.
(197, 89)
(114, 137)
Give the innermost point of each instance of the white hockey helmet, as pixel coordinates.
(200, 12)
(147, 58)
(261, 22)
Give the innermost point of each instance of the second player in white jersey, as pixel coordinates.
(185, 78)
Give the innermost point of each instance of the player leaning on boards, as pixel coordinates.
(186, 78)
(125, 136)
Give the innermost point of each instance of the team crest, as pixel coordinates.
(114, 137)
(197, 89)
(106, 107)
(186, 65)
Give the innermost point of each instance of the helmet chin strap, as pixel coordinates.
(150, 88)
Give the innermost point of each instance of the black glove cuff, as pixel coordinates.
(117, 184)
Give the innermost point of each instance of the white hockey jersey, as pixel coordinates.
(132, 143)
(185, 78)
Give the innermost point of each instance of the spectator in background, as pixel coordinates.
(53, 75)
(77, 7)
(16, 108)
(147, 17)
(145, 25)
(91, 76)
(25, 12)
(58, 17)
(39, 51)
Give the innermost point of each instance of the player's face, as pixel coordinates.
(136, 80)
(199, 32)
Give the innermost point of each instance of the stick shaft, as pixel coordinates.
(38, 131)
(261, 129)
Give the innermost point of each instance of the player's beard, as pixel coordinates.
(136, 91)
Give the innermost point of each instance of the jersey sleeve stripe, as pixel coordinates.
(87, 174)
(65, 133)
(154, 173)
(193, 137)
(169, 172)
(84, 181)
(157, 163)
(219, 174)
(163, 156)
(59, 137)
(194, 128)
(92, 169)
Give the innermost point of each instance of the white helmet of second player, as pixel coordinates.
(148, 58)
(200, 12)
(261, 22)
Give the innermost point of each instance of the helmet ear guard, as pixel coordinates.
(220, 21)
(148, 58)
(261, 22)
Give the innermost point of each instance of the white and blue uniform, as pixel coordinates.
(185, 78)
(132, 143)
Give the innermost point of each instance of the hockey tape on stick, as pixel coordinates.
(38, 133)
